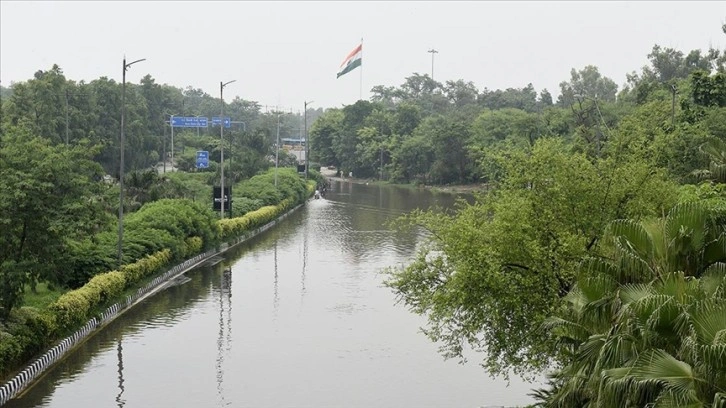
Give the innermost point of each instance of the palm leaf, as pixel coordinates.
(635, 292)
(657, 366)
(713, 279)
(685, 232)
(669, 399)
(565, 328)
(709, 322)
(633, 247)
(719, 400)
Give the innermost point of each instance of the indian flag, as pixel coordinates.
(352, 61)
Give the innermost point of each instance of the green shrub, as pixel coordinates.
(136, 271)
(193, 246)
(108, 285)
(71, 309)
(242, 205)
(10, 352)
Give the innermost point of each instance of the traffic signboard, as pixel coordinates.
(217, 120)
(202, 159)
(189, 121)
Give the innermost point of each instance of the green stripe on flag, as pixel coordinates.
(353, 65)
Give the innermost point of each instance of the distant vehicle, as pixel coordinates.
(317, 194)
(331, 167)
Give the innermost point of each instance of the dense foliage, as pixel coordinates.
(596, 254)
(598, 258)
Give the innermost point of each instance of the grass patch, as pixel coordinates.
(42, 297)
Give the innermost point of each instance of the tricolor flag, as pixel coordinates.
(352, 61)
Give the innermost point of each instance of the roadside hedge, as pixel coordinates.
(157, 235)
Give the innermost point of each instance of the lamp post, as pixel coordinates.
(307, 142)
(171, 125)
(277, 146)
(125, 66)
(432, 51)
(221, 146)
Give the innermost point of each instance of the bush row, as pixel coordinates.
(158, 234)
(33, 328)
(162, 224)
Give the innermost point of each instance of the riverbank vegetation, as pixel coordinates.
(598, 258)
(59, 237)
(597, 253)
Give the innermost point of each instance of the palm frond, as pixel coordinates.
(713, 279)
(685, 230)
(657, 366)
(709, 321)
(566, 329)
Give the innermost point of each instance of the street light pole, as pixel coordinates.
(66, 92)
(432, 51)
(221, 146)
(307, 142)
(277, 147)
(125, 66)
(163, 157)
(171, 124)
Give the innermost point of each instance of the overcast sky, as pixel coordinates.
(283, 53)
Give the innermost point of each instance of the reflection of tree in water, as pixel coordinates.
(119, 401)
(361, 225)
(162, 309)
(224, 343)
(353, 225)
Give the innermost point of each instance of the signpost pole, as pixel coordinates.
(221, 146)
(171, 122)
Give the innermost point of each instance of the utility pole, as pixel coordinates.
(307, 142)
(66, 92)
(673, 106)
(221, 146)
(164, 148)
(277, 146)
(171, 124)
(125, 66)
(432, 51)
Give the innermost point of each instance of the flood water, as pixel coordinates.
(300, 319)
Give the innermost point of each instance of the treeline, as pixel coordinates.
(430, 132)
(64, 111)
(600, 257)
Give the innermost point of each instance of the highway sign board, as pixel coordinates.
(189, 121)
(202, 159)
(217, 120)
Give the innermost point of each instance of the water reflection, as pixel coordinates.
(275, 295)
(120, 401)
(332, 335)
(224, 342)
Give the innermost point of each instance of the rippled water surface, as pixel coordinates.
(300, 319)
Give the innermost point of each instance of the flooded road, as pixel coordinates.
(296, 317)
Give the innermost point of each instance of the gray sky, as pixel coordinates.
(283, 53)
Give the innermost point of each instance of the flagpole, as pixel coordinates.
(360, 96)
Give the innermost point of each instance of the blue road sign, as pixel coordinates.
(189, 121)
(217, 120)
(202, 159)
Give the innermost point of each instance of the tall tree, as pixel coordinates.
(48, 196)
(587, 83)
(499, 267)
